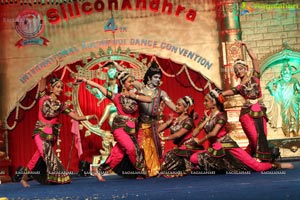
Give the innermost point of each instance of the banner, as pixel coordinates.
(38, 38)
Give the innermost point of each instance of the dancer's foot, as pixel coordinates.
(286, 165)
(277, 165)
(97, 174)
(100, 177)
(24, 183)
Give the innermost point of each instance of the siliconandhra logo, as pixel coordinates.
(246, 8)
(29, 25)
(251, 7)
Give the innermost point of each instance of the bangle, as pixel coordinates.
(136, 96)
(87, 117)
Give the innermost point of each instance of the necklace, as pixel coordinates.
(53, 97)
(213, 115)
(179, 119)
(152, 92)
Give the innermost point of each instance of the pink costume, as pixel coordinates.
(44, 165)
(126, 155)
(224, 154)
(253, 118)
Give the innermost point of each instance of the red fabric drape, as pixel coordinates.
(22, 147)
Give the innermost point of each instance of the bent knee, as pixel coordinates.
(194, 158)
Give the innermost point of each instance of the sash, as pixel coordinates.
(154, 112)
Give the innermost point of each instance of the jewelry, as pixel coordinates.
(212, 115)
(152, 92)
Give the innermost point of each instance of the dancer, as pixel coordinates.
(149, 117)
(126, 158)
(224, 155)
(44, 165)
(253, 116)
(176, 161)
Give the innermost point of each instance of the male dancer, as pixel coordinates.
(149, 117)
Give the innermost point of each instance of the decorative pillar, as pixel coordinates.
(228, 15)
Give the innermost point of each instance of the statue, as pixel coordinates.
(286, 92)
(110, 109)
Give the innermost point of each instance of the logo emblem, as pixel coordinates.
(29, 25)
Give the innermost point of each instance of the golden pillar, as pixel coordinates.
(228, 15)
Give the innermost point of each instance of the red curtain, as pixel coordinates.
(22, 147)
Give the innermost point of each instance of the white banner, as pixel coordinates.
(35, 37)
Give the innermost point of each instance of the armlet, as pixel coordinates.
(109, 94)
(42, 93)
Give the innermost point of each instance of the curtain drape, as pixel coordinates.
(22, 147)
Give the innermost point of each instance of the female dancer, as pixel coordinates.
(44, 165)
(253, 116)
(176, 162)
(126, 158)
(224, 155)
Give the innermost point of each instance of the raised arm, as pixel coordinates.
(42, 87)
(252, 55)
(227, 93)
(92, 83)
(118, 67)
(138, 85)
(42, 84)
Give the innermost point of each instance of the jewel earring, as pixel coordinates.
(149, 81)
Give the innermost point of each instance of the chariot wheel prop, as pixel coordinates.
(93, 69)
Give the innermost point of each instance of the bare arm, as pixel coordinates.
(171, 105)
(227, 93)
(197, 130)
(166, 124)
(138, 97)
(42, 84)
(76, 117)
(213, 133)
(136, 83)
(42, 87)
(252, 56)
(94, 84)
(119, 67)
(178, 134)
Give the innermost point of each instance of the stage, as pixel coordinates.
(279, 184)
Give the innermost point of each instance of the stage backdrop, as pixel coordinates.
(40, 40)
(34, 37)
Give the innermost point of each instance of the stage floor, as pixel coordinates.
(281, 184)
